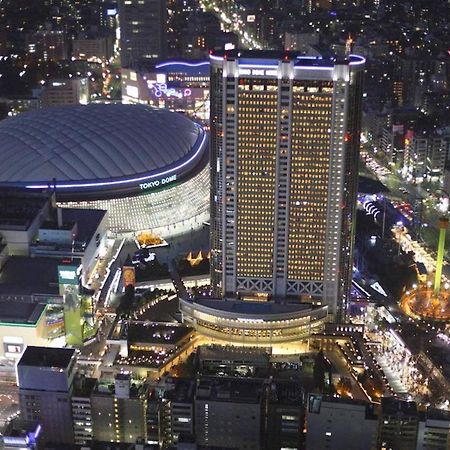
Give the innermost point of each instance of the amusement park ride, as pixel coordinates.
(430, 300)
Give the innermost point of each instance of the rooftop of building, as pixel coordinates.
(156, 333)
(342, 400)
(83, 386)
(46, 357)
(18, 211)
(229, 389)
(105, 388)
(150, 333)
(97, 146)
(368, 185)
(87, 221)
(20, 313)
(257, 354)
(287, 392)
(368, 407)
(438, 414)
(180, 390)
(271, 57)
(24, 275)
(253, 307)
(391, 406)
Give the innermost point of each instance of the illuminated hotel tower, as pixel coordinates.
(284, 167)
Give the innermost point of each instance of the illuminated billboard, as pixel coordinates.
(67, 275)
(129, 276)
(68, 287)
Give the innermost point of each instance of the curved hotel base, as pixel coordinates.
(243, 322)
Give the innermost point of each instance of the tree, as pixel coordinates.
(319, 371)
(126, 302)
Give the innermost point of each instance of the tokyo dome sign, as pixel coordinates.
(157, 183)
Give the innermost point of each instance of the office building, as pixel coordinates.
(45, 378)
(119, 410)
(81, 409)
(61, 92)
(285, 415)
(228, 413)
(340, 424)
(99, 49)
(434, 430)
(176, 412)
(143, 26)
(284, 163)
(48, 45)
(398, 424)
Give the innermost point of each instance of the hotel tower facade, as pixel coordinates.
(284, 148)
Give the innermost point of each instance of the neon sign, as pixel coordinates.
(157, 183)
(160, 89)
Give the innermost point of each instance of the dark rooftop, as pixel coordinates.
(83, 386)
(287, 392)
(368, 185)
(180, 390)
(23, 275)
(249, 307)
(256, 56)
(87, 221)
(20, 312)
(437, 414)
(229, 389)
(154, 333)
(231, 353)
(46, 357)
(392, 407)
(17, 211)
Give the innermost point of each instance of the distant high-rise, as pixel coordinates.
(284, 166)
(143, 25)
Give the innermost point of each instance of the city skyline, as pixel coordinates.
(223, 224)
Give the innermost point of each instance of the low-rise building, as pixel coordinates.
(340, 424)
(71, 91)
(45, 378)
(148, 347)
(21, 324)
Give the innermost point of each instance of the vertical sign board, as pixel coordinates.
(129, 276)
(68, 287)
